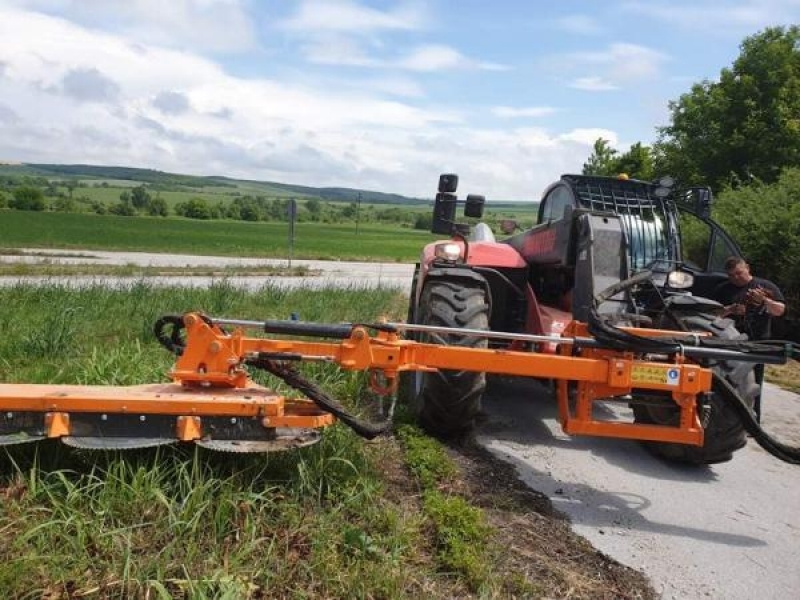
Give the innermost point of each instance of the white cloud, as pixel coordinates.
(349, 16)
(510, 112)
(179, 112)
(613, 67)
(592, 84)
(437, 57)
(731, 16)
(203, 25)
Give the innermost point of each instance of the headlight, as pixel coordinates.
(680, 280)
(447, 251)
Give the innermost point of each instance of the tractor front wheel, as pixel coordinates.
(724, 432)
(448, 401)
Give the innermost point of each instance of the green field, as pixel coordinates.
(20, 229)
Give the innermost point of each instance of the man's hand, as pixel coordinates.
(757, 296)
(734, 309)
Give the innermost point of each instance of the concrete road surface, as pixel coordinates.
(729, 531)
(327, 273)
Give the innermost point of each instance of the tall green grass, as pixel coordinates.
(181, 521)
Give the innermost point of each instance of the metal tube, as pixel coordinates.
(300, 328)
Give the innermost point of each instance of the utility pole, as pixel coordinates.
(358, 211)
(291, 210)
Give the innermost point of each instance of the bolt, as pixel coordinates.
(189, 320)
(214, 347)
(142, 418)
(233, 420)
(104, 417)
(10, 415)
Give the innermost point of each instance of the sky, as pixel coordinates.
(369, 94)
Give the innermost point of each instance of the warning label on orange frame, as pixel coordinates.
(666, 375)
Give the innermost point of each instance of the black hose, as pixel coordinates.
(293, 378)
(778, 449)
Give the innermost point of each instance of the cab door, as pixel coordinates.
(704, 248)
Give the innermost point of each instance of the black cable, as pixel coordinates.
(293, 378)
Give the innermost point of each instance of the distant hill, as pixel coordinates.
(173, 181)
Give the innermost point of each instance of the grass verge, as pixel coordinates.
(343, 518)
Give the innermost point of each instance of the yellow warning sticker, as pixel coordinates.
(667, 375)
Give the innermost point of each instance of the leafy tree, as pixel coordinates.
(3, 201)
(314, 207)
(602, 160)
(765, 221)
(64, 204)
(744, 127)
(123, 208)
(157, 207)
(637, 162)
(423, 221)
(194, 208)
(28, 198)
(140, 198)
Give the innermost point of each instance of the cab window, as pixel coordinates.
(553, 205)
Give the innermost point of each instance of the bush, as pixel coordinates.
(157, 207)
(194, 208)
(28, 198)
(123, 209)
(765, 221)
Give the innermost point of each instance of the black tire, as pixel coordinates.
(724, 432)
(448, 401)
(409, 381)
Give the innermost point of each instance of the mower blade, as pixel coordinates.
(285, 439)
(113, 443)
(19, 438)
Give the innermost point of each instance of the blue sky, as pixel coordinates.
(371, 94)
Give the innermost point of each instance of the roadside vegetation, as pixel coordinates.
(399, 517)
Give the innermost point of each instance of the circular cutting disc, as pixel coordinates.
(112, 443)
(287, 439)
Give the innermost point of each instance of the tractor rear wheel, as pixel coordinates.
(724, 432)
(448, 401)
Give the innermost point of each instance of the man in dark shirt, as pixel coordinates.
(751, 302)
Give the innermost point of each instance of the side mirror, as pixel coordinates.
(703, 199)
(444, 213)
(473, 207)
(448, 183)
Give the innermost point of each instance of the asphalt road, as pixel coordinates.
(730, 531)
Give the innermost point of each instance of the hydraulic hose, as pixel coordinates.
(293, 378)
(778, 449)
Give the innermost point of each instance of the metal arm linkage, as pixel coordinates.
(213, 402)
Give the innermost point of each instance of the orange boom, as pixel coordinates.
(214, 403)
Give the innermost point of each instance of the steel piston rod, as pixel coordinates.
(343, 331)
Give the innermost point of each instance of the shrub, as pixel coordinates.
(28, 198)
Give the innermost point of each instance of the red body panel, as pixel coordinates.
(539, 319)
(484, 254)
